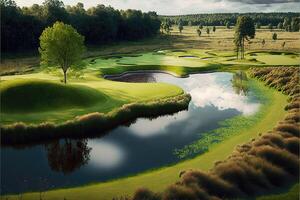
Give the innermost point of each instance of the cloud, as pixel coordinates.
(178, 7)
(265, 1)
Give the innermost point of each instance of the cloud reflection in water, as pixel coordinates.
(105, 155)
(209, 91)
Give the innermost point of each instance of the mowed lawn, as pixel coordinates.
(41, 97)
(159, 179)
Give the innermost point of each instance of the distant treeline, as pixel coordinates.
(221, 19)
(22, 27)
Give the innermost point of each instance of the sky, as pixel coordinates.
(178, 7)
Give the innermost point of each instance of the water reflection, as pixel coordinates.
(67, 155)
(106, 155)
(239, 83)
(214, 91)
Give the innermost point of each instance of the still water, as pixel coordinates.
(127, 150)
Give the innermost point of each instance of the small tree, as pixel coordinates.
(200, 26)
(190, 23)
(61, 45)
(274, 36)
(199, 32)
(207, 31)
(228, 25)
(214, 29)
(280, 25)
(263, 42)
(244, 30)
(286, 23)
(166, 26)
(283, 45)
(180, 27)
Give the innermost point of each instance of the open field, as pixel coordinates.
(221, 40)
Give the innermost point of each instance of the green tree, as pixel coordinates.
(295, 24)
(263, 42)
(280, 25)
(274, 36)
(207, 31)
(286, 22)
(283, 45)
(180, 26)
(199, 32)
(228, 25)
(200, 26)
(214, 29)
(61, 45)
(244, 30)
(166, 26)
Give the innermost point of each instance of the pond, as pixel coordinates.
(143, 145)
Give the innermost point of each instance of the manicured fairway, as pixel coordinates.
(158, 179)
(73, 99)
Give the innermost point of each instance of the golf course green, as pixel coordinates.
(92, 93)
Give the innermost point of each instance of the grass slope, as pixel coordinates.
(157, 180)
(43, 99)
(38, 96)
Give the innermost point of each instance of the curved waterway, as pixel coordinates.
(143, 145)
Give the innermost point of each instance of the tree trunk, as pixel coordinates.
(65, 76)
(243, 47)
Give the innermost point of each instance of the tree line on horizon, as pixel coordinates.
(222, 19)
(22, 27)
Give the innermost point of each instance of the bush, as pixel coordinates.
(179, 192)
(290, 128)
(210, 183)
(292, 145)
(279, 157)
(243, 176)
(145, 194)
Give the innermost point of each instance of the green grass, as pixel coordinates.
(47, 100)
(180, 65)
(158, 179)
(30, 96)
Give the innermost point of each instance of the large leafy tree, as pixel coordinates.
(244, 30)
(61, 45)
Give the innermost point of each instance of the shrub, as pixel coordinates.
(242, 176)
(290, 128)
(292, 145)
(145, 194)
(179, 192)
(211, 183)
(279, 157)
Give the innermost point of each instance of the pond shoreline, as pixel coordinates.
(86, 125)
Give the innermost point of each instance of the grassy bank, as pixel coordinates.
(92, 124)
(158, 180)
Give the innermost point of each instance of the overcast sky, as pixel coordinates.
(176, 7)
